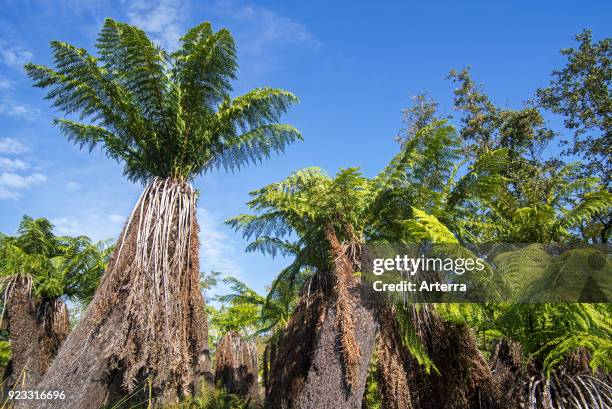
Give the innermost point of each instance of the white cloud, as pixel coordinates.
(93, 225)
(7, 194)
(163, 20)
(5, 84)
(72, 186)
(218, 252)
(67, 226)
(11, 146)
(116, 218)
(11, 183)
(261, 27)
(12, 164)
(13, 108)
(14, 55)
(9, 179)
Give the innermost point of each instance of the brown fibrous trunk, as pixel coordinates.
(570, 384)
(236, 367)
(145, 332)
(321, 358)
(392, 357)
(36, 329)
(463, 378)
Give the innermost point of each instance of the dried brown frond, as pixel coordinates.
(236, 366)
(392, 381)
(345, 321)
(463, 378)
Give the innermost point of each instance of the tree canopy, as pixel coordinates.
(56, 266)
(582, 93)
(161, 113)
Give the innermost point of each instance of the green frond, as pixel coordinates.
(90, 136)
(483, 180)
(256, 108)
(253, 146)
(427, 227)
(165, 115)
(205, 64)
(552, 331)
(592, 204)
(261, 225)
(272, 246)
(136, 63)
(411, 340)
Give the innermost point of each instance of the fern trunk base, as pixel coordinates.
(36, 332)
(144, 335)
(464, 379)
(307, 368)
(236, 367)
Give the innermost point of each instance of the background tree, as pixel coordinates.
(541, 201)
(239, 312)
(582, 93)
(542, 188)
(168, 117)
(39, 271)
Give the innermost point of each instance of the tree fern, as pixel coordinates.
(163, 114)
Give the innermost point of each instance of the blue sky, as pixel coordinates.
(354, 66)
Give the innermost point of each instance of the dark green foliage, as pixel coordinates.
(160, 113)
(582, 92)
(303, 204)
(59, 266)
(486, 126)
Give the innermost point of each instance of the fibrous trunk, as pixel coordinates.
(463, 380)
(572, 384)
(236, 367)
(145, 332)
(36, 330)
(321, 358)
(392, 357)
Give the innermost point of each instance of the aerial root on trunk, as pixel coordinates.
(8, 284)
(152, 273)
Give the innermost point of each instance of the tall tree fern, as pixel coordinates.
(167, 117)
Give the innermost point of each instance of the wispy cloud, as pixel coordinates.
(67, 226)
(261, 28)
(12, 146)
(94, 225)
(5, 84)
(11, 182)
(73, 186)
(14, 55)
(8, 194)
(13, 108)
(164, 19)
(116, 218)
(9, 179)
(218, 252)
(12, 164)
